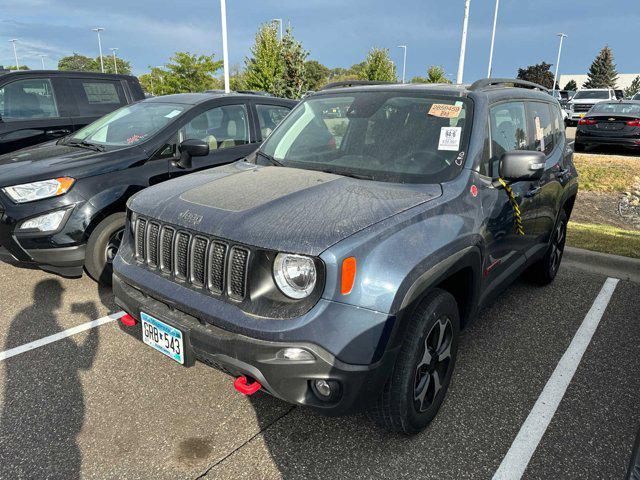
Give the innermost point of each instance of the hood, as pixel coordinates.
(50, 160)
(277, 208)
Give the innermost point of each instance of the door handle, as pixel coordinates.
(60, 131)
(562, 173)
(533, 191)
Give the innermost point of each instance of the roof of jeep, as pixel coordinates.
(491, 92)
(197, 98)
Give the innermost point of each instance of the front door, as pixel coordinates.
(226, 129)
(30, 114)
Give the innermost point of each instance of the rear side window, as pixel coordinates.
(543, 131)
(508, 131)
(27, 99)
(97, 97)
(220, 127)
(269, 116)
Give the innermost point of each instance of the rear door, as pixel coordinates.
(226, 127)
(32, 111)
(95, 97)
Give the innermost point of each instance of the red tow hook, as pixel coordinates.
(245, 388)
(127, 320)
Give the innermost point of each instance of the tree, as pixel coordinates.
(435, 74)
(378, 66)
(571, 85)
(294, 78)
(79, 63)
(22, 67)
(602, 73)
(539, 73)
(632, 89)
(124, 67)
(186, 72)
(317, 74)
(265, 68)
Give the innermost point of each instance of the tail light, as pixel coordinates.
(634, 123)
(587, 121)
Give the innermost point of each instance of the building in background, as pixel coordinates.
(624, 80)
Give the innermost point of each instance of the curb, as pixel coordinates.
(616, 266)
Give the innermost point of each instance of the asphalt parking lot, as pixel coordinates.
(98, 404)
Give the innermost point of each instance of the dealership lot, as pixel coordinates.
(98, 404)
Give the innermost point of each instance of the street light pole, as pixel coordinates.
(493, 37)
(42, 58)
(555, 76)
(15, 52)
(279, 20)
(404, 61)
(115, 64)
(463, 45)
(98, 30)
(225, 51)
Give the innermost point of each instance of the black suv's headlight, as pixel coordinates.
(295, 275)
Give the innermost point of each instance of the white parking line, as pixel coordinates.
(58, 336)
(517, 458)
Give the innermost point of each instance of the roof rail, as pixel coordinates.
(516, 82)
(353, 83)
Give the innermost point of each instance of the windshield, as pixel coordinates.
(128, 125)
(597, 94)
(386, 136)
(616, 109)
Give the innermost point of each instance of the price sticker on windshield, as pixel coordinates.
(443, 110)
(450, 138)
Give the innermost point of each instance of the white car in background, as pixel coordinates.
(586, 98)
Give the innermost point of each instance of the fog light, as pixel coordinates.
(44, 223)
(323, 388)
(295, 354)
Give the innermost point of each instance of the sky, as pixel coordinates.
(335, 32)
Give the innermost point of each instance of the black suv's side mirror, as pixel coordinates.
(191, 148)
(521, 165)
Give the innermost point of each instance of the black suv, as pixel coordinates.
(62, 203)
(41, 105)
(337, 266)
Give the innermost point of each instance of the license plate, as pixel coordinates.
(162, 337)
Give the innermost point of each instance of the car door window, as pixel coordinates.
(28, 99)
(220, 127)
(508, 131)
(558, 124)
(542, 138)
(269, 116)
(97, 97)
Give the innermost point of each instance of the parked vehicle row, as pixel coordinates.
(336, 266)
(62, 203)
(610, 123)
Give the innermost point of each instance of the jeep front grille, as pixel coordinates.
(196, 260)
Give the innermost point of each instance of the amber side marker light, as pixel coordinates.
(348, 275)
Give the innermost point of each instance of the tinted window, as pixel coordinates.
(508, 131)
(616, 108)
(385, 136)
(220, 127)
(26, 99)
(543, 128)
(269, 116)
(97, 97)
(558, 124)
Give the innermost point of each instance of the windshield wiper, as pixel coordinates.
(270, 158)
(359, 176)
(85, 144)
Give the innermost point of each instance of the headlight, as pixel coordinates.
(571, 107)
(295, 275)
(44, 223)
(28, 192)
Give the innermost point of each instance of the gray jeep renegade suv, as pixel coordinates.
(336, 266)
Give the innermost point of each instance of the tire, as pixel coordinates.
(101, 248)
(411, 398)
(544, 270)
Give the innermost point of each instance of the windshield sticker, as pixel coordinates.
(134, 138)
(450, 138)
(460, 159)
(443, 110)
(539, 134)
(172, 113)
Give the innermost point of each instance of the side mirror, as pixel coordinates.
(519, 165)
(191, 148)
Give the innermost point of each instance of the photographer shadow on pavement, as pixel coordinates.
(43, 401)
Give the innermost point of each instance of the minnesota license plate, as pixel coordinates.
(164, 338)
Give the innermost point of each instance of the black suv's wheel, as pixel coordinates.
(422, 373)
(102, 247)
(545, 269)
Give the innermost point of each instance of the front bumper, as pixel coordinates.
(238, 354)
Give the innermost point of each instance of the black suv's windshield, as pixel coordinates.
(387, 136)
(597, 94)
(128, 125)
